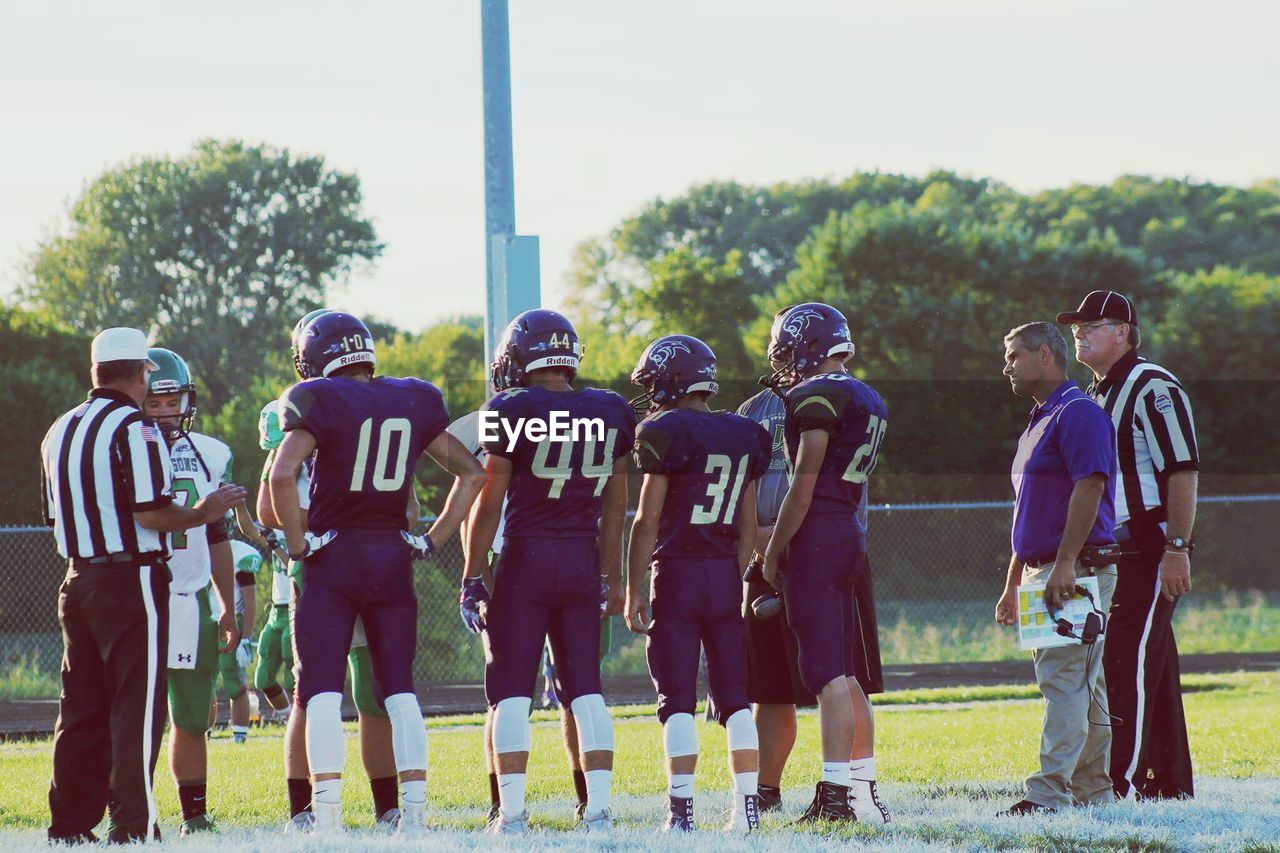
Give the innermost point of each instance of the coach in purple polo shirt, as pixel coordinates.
(1063, 511)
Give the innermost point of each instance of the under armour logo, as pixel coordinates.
(184, 658)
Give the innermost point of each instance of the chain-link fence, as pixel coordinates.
(938, 569)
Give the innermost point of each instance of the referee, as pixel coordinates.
(1155, 513)
(108, 497)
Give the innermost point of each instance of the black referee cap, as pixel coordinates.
(1102, 305)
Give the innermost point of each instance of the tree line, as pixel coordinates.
(218, 252)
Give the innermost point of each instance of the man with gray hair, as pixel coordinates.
(1063, 515)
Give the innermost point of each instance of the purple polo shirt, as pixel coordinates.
(1068, 438)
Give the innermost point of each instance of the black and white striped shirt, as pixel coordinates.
(104, 461)
(1155, 434)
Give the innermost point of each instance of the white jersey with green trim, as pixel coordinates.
(304, 478)
(192, 480)
(245, 558)
(281, 586)
(467, 430)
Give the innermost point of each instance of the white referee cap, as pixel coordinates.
(121, 344)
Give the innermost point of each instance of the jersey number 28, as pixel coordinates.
(864, 458)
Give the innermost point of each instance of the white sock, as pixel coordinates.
(511, 794)
(744, 785)
(328, 792)
(680, 785)
(599, 783)
(862, 770)
(836, 772)
(241, 729)
(414, 792)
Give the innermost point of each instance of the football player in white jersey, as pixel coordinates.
(200, 465)
(233, 666)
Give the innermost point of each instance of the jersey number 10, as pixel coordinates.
(382, 480)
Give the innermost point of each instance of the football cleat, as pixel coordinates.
(328, 818)
(1025, 807)
(518, 825)
(240, 737)
(600, 822)
(412, 819)
(865, 800)
(199, 823)
(769, 799)
(495, 811)
(580, 812)
(389, 821)
(302, 822)
(830, 803)
(746, 818)
(679, 815)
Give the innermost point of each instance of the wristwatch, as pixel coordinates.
(1177, 543)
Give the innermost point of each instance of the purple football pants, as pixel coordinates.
(544, 589)
(361, 572)
(697, 604)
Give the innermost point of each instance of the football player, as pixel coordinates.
(560, 568)
(467, 430)
(773, 672)
(233, 665)
(200, 465)
(275, 644)
(367, 433)
(817, 553)
(697, 524)
(376, 752)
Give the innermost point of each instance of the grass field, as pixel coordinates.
(949, 759)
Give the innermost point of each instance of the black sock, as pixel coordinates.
(386, 794)
(769, 791)
(299, 796)
(580, 785)
(493, 789)
(191, 795)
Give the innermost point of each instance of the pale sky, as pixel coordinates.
(617, 104)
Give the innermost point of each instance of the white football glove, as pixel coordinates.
(244, 652)
(314, 543)
(421, 546)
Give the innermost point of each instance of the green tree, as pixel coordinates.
(215, 253)
(44, 370)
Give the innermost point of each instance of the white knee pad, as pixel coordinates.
(595, 728)
(741, 729)
(408, 732)
(326, 746)
(679, 736)
(511, 725)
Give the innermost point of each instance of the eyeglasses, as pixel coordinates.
(1077, 328)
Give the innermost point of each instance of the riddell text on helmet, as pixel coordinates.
(559, 426)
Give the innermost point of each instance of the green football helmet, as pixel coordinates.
(269, 432)
(295, 342)
(172, 376)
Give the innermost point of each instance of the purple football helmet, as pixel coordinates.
(534, 340)
(333, 340)
(803, 337)
(670, 368)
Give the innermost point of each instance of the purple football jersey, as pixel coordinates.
(855, 418)
(557, 487)
(708, 459)
(369, 436)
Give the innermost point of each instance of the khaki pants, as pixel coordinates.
(1075, 751)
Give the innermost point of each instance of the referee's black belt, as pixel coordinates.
(149, 558)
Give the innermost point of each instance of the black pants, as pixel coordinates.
(111, 715)
(1149, 752)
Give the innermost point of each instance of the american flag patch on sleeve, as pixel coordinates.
(150, 433)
